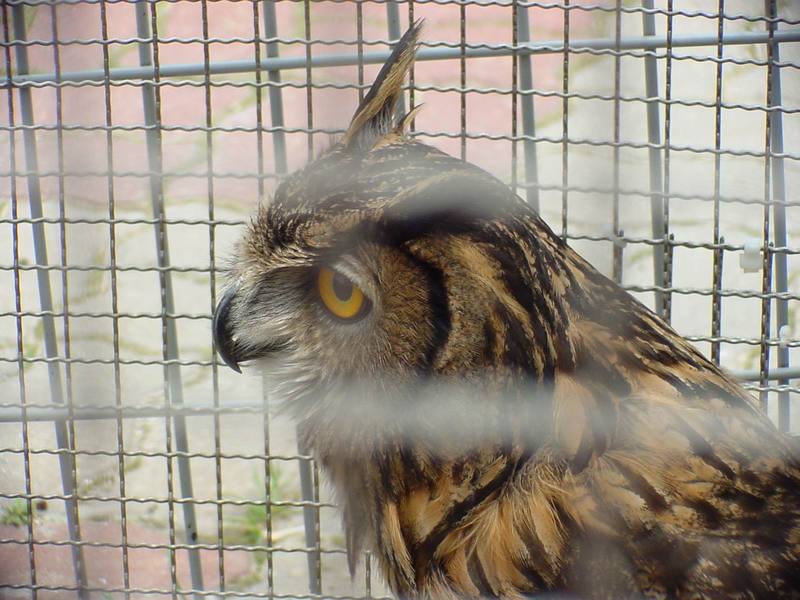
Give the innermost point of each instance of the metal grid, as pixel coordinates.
(81, 412)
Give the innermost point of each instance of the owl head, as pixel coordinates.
(386, 260)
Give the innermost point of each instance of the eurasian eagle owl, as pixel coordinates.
(495, 416)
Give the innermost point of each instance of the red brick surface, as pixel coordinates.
(148, 568)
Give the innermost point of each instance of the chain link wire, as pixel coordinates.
(135, 143)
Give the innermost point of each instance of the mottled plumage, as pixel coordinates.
(498, 418)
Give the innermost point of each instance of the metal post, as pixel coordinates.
(528, 121)
(716, 285)
(212, 281)
(767, 255)
(115, 321)
(307, 467)
(656, 178)
(393, 25)
(616, 229)
(668, 237)
(310, 518)
(63, 439)
(514, 94)
(648, 43)
(310, 521)
(265, 407)
(779, 216)
(275, 92)
(23, 396)
(172, 370)
(565, 122)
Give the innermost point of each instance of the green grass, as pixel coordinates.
(253, 523)
(15, 513)
(250, 528)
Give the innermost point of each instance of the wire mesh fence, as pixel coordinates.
(137, 136)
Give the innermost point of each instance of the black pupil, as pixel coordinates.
(342, 287)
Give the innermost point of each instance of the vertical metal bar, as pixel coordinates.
(721, 257)
(779, 215)
(153, 138)
(317, 529)
(565, 123)
(616, 248)
(276, 101)
(514, 92)
(112, 253)
(360, 48)
(766, 273)
(265, 420)
(462, 64)
(716, 298)
(77, 553)
(65, 459)
(173, 388)
(23, 396)
(309, 94)
(259, 93)
(212, 282)
(411, 73)
(275, 92)
(766, 287)
(666, 297)
(525, 66)
(310, 520)
(307, 469)
(393, 26)
(654, 154)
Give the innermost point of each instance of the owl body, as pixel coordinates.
(497, 418)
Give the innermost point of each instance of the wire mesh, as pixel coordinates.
(136, 138)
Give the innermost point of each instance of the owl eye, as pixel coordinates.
(340, 296)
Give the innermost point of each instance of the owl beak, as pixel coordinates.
(226, 346)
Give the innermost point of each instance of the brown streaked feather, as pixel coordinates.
(650, 449)
(373, 118)
(545, 430)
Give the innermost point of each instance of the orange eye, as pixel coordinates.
(338, 294)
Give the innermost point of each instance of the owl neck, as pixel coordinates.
(400, 497)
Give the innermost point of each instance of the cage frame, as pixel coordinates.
(150, 75)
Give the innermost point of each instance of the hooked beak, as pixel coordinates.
(223, 338)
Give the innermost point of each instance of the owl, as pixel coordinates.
(495, 417)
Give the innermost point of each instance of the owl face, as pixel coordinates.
(346, 273)
(385, 263)
(309, 288)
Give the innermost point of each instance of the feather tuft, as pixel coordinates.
(373, 118)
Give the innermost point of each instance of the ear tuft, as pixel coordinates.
(373, 118)
(404, 123)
